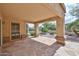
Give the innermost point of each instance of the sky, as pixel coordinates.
(68, 17)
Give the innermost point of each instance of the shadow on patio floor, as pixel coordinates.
(30, 47)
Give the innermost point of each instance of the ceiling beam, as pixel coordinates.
(48, 19)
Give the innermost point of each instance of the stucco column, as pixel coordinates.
(36, 26)
(23, 29)
(60, 29)
(27, 29)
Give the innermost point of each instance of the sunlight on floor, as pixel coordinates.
(70, 49)
(44, 40)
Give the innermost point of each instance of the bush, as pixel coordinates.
(32, 33)
(45, 30)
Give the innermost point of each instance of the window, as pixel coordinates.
(15, 28)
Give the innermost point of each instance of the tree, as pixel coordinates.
(44, 27)
(70, 25)
(74, 11)
(47, 26)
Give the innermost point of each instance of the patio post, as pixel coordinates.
(60, 31)
(36, 25)
(27, 29)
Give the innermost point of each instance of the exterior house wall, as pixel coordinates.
(22, 25)
(7, 27)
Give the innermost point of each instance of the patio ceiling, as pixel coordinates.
(33, 12)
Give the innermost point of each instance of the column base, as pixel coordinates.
(60, 40)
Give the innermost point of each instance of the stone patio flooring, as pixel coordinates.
(40, 46)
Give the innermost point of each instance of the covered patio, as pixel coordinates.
(20, 15)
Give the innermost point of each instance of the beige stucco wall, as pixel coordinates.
(60, 27)
(59, 10)
(22, 25)
(7, 27)
(0, 14)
